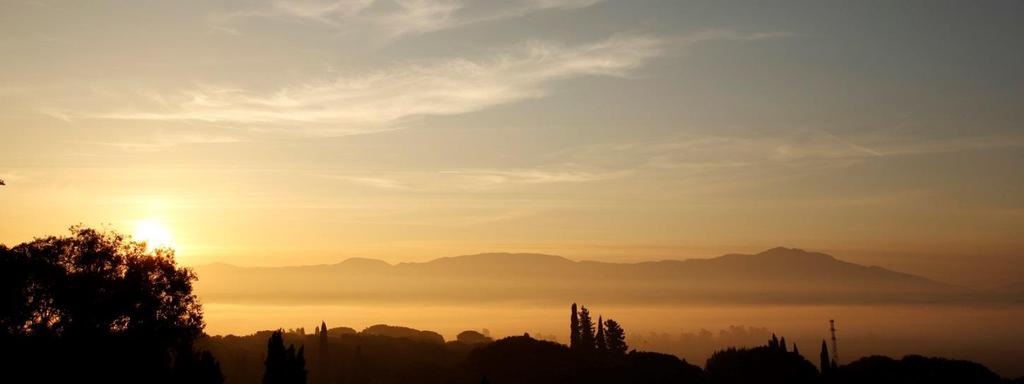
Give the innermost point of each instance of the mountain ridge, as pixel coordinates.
(778, 275)
(537, 256)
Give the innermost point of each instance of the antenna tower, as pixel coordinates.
(835, 350)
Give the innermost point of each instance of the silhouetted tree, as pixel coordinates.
(782, 344)
(298, 368)
(323, 354)
(473, 337)
(574, 329)
(198, 368)
(759, 365)
(602, 344)
(615, 338)
(823, 358)
(586, 340)
(796, 350)
(913, 369)
(521, 359)
(101, 307)
(774, 342)
(652, 367)
(274, 366)
(283, 366)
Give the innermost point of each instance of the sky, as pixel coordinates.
(303, 132)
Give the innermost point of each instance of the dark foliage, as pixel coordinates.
(912, 369)
(765, 364)
(404, 332)
(323, 357)
(353, 358)
(574, 328)
(615, 338)
(651, 367)
(522, 359)
(473, 337)
(101, 308)
(283, 365)
(198, 368)
(824, 361)
(587, 339)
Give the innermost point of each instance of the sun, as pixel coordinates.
(153, 233)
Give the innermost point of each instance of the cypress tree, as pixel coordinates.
(283, 366)
(615, 338)
(324, 355)
(826, 364)
(574, 329)
(274, 370)
(586, 340)
(782, 344)
(774, 342)
(602, 346)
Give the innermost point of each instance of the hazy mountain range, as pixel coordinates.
(778, 275)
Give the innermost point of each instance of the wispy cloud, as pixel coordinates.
(815, 148)
(56, 114)
(492, 178)
(731, 35)
(396, 18)
(918, 146)
(165, 142)
(374, 182)
(472, 179)
(375, 101)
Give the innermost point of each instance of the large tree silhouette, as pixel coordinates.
(615, 338)
(100, 307)
(586, 330)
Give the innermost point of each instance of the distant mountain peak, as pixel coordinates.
(363, 261)
(504, 257)
(793, 253)
(781, 249)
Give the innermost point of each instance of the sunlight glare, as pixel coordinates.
(154, 233)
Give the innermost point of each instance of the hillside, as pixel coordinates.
(779, 275)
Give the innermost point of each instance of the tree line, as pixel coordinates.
(609, 339)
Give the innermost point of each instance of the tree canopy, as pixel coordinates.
(97, 298)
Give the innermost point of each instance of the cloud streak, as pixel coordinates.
(375, 101)
(395, 18)
(810, 149)
(166, 142)
(492, 178)
(472, 179)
